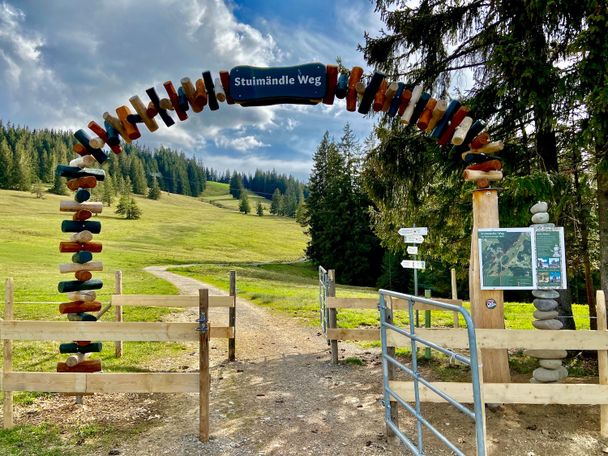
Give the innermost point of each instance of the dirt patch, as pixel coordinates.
(284, 397)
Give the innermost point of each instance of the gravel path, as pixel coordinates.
(281, 397)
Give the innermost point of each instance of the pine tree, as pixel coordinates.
(137, 175)
(260, 209)
(244, 203)
(6, 163)
(275, 205)
(123, 204)
(154, 192)
(107, 195)
(236, 185)
(133, 211)
(38, 189)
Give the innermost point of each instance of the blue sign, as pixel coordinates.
(256, 86)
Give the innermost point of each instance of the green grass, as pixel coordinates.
(218, 194)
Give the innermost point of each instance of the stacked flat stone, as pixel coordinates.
(551, 369)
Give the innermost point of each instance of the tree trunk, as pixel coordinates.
(602, 212)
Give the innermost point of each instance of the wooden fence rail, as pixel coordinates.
(81, 383)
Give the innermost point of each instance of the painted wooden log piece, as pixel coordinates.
(166, 118)
(84, 161)
(419, 108)
(480, 140)
(351, 95)
(82, 236)
(76, 285)
(123, 112)
(219, 90)
(83, 276)
(370, 92)
(392, 111)
(210, 88)
(379, 97)
(442, 124)
(406, 96)
(438, 113)
(391, 90)
(96, 142)
(80, 149)
(490, 165)
(84, 139)
(82, 215)
(75, 267)
(331, 75)
(72, 247)
(201, 93)
(190, 92)
(142, 111)
(84, 295)
(475, 129)
(89, 365)
(416, 92)
(113, 138)
(73, 172)
(94, 347)
(473, 175)
(455, 121)
(72, 206)
(225, 80)
(82, 257)
(342, 86)
(183, 99)
(461, 131)
(82, 182)
(81, 195)
(427, 113)
(81, 317)
(181, 114)
(79, 307)
(489, 148)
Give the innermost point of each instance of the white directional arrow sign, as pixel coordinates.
(411, 264)
(412, 249)
(420, 230)
(413, 239)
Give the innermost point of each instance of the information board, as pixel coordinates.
(522, 258)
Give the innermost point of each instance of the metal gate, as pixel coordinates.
(389, 363)
(323, 289)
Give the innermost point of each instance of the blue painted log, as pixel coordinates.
(182, 99)
(342, 87)
(82, 195)
(443, 122)
(210, 88)
(370, 92)
(422, 101)
(73, 172)
(83, 138)
(167, 119)
(113, 139)
(72, 347)
(134, 119)
(396, 100)
(82, 257)
(77, 285)
(72, 226)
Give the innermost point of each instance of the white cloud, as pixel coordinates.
(241, 144)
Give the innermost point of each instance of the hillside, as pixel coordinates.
(175, 229)
(218, 194)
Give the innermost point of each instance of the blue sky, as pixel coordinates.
(65, 62)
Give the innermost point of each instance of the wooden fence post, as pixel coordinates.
(8, 354)
(204, 328)
(454, 295)
(390, 351)
(118, 310)
(333, 314)
(602, 358)
(232, 318)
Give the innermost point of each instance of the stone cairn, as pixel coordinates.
(551, 369)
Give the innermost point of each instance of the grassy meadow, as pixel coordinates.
(217, 194)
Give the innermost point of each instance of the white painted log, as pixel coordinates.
(82, 236)
(73, 206)
(75, 267)
(490, 148)
(140, 108)
(84, 295)
(74, 317)
(166, 104)
(407, 115)
(360, 87)
(85, 161)
(219, 91)
(461, 131)
(76, 359)
(438, 112)
(96, 142)
(474, 175)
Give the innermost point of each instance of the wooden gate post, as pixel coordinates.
(602, 358)
(8, 354)
(118, 310)
(203, 312)
(495, 361)
(232, 318)
(333, 315)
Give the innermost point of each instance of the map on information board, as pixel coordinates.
(522, 258)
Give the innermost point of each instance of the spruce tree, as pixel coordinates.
(107, 195)
(154, 192)
(275, 205)
(6, 163)
(133, 211)
(244, 203)
(259, 209)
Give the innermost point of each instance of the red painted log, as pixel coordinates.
(83, 276)
(225, 78)
(490, 165)
(201, 92)
(331, 72)
(72, 247)
(406, 96)
(480, 140)
(427, 112)
(380, 95)
(80, 149)
(351, 95)
(89, 365)
(181, 114)
(446, 136)
(82, 182)
(79, 306)
(82, 215)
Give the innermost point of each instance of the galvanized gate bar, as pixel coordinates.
(476, 414)
(323, 288)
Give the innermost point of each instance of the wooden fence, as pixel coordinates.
(521, 393)
(335, 334)
(84, 383)
(120, 300)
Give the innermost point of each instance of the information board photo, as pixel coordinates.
(522, 258)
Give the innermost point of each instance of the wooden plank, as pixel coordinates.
(203, 386)
(372, 303)
(353, 334)
(511, 393)
(7, 403)
(602, 357)
(508, 338)
(102, 383)
(125, 331)
(485, 215)
(169, 301)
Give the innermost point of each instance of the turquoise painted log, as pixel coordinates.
(182, 99)
(370, 92)
(422, 101)
(72, 226)
(82, 195)
(342, 87)
(77, 285)
(475, 129)
(211, 98)
(82, 257)
(392, 111)
(444, 121)
(113, 139)
(94, 347)
(84, 139)
(167, 119)
(73, 172)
